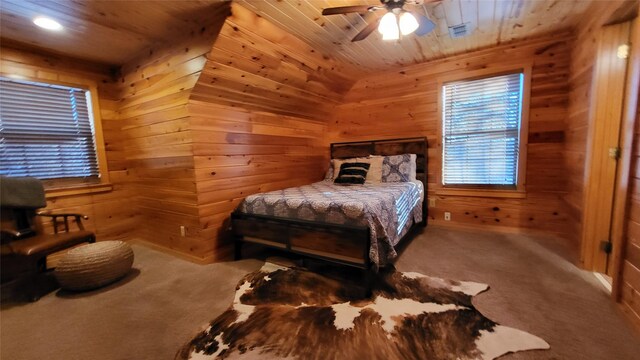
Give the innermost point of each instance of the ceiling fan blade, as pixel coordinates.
(425, 25)
(346, 9)
(367, 30)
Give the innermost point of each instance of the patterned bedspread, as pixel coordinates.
(388, 209)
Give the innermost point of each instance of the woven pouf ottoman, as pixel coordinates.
(94, 265)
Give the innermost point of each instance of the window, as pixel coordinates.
(481, 130)
(46, 131)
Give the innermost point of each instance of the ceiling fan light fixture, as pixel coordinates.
(391, 36)
(47, 23)
(388, 27)
(408, 23)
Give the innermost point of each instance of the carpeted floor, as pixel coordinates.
(161, 305)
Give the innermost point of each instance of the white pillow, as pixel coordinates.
(374, 176)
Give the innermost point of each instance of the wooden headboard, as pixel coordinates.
(416, 146)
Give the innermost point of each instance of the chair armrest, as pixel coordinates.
(48, 214)
(10, 233)
(65, 216)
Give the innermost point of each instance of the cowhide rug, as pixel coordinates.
(292, 313)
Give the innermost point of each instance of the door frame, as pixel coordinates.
(627, 140)
(602, 171)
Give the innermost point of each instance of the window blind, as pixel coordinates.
(481, 130)
(46, 131)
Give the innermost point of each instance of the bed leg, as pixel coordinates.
(369, 280)
(237, 249)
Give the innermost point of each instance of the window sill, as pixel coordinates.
(512, 194)
(77, 190)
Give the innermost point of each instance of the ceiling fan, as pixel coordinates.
(396, 21)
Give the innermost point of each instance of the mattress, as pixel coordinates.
(388, 209)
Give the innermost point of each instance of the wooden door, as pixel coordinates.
(603, 142)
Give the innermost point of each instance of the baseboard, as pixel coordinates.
(226, 253)
(604, 281)
(179, 254)
(493, 228)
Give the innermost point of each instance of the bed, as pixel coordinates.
(356, 225)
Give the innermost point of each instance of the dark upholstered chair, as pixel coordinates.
(24, 249)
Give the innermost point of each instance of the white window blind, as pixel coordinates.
(46, 131)
(481, 130)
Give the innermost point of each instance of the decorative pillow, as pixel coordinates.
(399, 168)
(329, 175)
(336, 163)
(374, 175)
(352, 173)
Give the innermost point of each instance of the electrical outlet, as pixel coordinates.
(447, 216)
(432, 202)
(183, 231)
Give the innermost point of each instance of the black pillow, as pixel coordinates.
(352, 173)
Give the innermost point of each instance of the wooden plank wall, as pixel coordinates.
(403, 103)
(630, 284)
(627, 277)
(259, 114)
(154, 142)
(111, 215)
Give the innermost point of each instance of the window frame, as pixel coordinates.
(517, 191)
(67, 186)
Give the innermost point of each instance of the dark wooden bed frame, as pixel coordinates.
(341, 244)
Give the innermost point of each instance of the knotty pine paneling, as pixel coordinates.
(630, 280)
(403, 103)
(111, 32)
(111, 214)
(258, 116)
(490, 23)
(153, 139)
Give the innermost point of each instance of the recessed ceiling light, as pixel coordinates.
(47, 23)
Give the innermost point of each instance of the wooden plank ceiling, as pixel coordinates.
(491, 22)
(110, 32)
(115, 31)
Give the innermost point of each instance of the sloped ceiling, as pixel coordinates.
(113, 32)
(110, 32)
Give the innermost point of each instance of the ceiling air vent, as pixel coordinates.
(457, 31)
